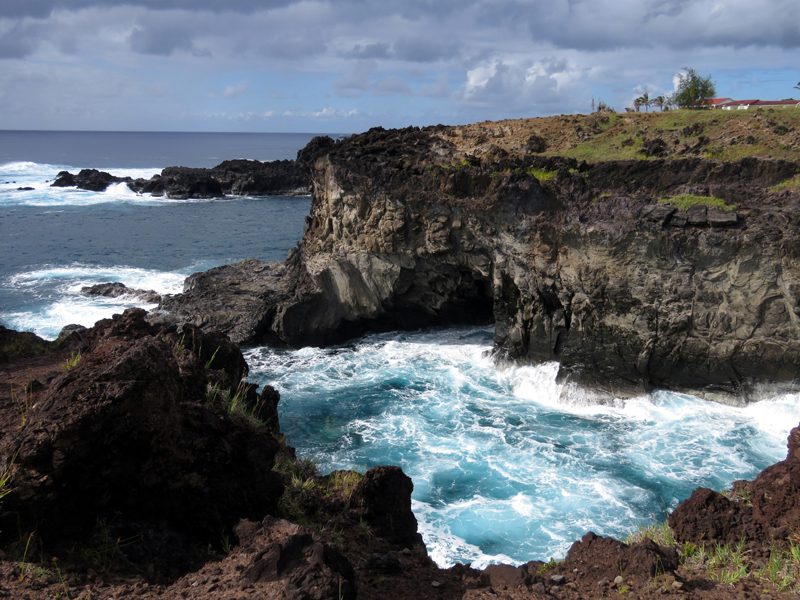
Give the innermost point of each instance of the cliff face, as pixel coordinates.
(573, 262)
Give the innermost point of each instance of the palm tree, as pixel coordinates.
(659, 101)
(646, 99)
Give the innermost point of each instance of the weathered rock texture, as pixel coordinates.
(131, 437)
(762, 509)
(583, 265)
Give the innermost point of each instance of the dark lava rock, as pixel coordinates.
(88, 179)
(535, 144)
(116, 289)
(654, 147)
(304, 566)
(384, 498)
(181, 183)
(129, 437)
(606, 558)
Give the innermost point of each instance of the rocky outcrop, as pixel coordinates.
(136, 435)
(88, 179)
(231, 177)
(766, 508)
(586, 264)
(116, 289)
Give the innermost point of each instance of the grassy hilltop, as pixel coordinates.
(713, 134)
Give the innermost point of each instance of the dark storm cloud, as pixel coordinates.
(594, 25)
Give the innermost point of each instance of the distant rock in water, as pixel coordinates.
(88, 179)
(236, 177)
(117, 289)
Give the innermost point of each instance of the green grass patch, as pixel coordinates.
(686, 201)
(542, 174)
(660, 533)
(787, 184)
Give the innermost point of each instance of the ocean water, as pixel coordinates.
(503, 471)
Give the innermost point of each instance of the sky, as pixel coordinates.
(344, 66)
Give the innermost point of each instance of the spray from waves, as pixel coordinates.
(14, 176)
(504, 469)
(53, 295)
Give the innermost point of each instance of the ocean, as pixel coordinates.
(503, 471)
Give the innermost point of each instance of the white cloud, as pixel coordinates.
(233, 91)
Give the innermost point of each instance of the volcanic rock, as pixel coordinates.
(129, 437)
(116, 289)
(577, 267)
(88, 179)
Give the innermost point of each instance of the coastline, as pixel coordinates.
(585, 562)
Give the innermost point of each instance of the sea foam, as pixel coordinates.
(504, 468)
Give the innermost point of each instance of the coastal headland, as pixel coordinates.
(149, 468)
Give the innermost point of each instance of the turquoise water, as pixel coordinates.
(506, 465)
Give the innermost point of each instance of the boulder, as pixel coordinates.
(130, 437)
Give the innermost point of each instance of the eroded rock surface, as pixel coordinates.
(130, 436)
(765, 508)
(580, 263)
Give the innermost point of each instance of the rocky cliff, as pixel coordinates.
(674, 273)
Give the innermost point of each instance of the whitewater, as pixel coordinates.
(507, 465)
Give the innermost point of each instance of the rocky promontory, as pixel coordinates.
(676, 272)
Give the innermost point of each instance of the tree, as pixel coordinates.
(659, 101)
(693, 89)
(643, 100)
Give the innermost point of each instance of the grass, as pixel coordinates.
(720, 127)
(792, 184)
(24, 402)
(739, 495)
(783, 568)
(71, 362)
(542, 174)
(551, 564)
(686, 201)
(660, 533)
(103, 551)
(235, 401)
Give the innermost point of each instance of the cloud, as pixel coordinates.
(233, 91)
(440, 89)
(425, 49)
(370, 51)
(18, 41)
(679, 24)
(551, 85)
(43, 8)
(160, 40)
(397, 61)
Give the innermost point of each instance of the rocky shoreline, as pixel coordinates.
(667, 272)
(149, 468)
(633, 275)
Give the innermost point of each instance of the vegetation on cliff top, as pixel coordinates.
(602, 136)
